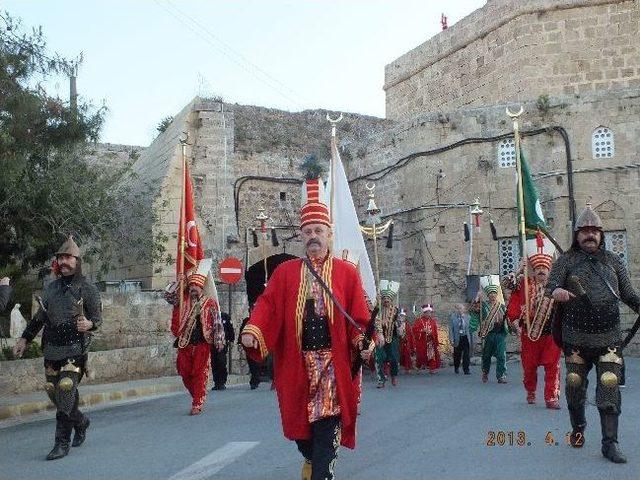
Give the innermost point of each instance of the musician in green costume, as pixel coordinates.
(489, 316)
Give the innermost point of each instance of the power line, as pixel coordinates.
(238, 54)
(231, 54)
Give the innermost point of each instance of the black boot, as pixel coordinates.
(610, 450)
(63, 435)
(326, 440)
(59, 450)
(81, 432)
(578, 425)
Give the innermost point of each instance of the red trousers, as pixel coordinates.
(193, 366)
(543, 352)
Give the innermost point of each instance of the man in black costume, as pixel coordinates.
(70, 310)
(254, 367)
(219, 368)
(589, 282)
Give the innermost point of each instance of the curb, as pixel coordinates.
(30, 408)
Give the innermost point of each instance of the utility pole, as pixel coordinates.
(73, 90)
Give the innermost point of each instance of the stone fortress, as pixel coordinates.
(574, 65)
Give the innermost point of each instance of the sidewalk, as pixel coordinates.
(21, 407)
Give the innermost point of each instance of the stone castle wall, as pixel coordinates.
(517, 51)
(430, 256)
(134, 319)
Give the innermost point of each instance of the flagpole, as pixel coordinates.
(183, 143)
(332, 172)
(334, 145)
(375, 229)
(521, 218)
(262, 218)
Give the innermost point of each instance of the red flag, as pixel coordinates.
(189, 244)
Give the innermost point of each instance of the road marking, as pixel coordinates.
(215, 461)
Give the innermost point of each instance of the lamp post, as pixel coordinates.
(374, 229)
(262, 217)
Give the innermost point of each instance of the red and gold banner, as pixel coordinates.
(189, 244)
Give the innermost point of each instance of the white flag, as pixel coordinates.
(348, 243)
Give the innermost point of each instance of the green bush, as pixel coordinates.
(33, 351)
(3, 355)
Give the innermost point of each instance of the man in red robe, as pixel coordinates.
(312, 342)
(538, 347)
(407, 344)
(425, 335)
(199, 326)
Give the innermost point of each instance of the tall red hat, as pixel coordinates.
(314, 208)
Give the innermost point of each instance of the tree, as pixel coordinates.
(164, 124)
(47, 189)
(312, 168)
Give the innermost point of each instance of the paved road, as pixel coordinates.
(429, 427)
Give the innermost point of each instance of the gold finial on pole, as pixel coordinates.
(334, 123)
(374, 229)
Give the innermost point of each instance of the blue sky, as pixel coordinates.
(145, 59)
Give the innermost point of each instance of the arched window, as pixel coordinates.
(507, 153)
(602, 145)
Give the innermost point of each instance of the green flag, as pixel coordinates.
(533, 217)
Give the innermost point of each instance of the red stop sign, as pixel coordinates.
(231, 270)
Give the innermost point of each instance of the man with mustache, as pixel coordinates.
(196, 330)
(312, 341)
(538, 347)
(589, 282)
(70, 310)
(491, 312)
(388, 331)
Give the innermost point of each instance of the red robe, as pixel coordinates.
(276, 322)
(193, 361)
(206, 318)
(427, 353)
(542, 352)
(407, 348)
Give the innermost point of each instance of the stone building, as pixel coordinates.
(574, 67)
(518, 50)
(240, 158)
